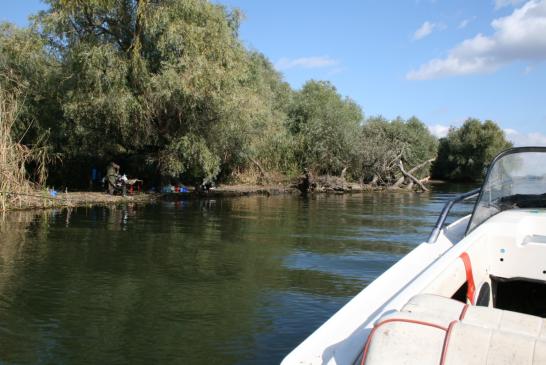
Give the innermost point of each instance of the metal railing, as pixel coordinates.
(447, 208)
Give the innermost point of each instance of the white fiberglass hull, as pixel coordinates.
(508, 245)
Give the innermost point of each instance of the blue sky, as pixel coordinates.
(440, 60)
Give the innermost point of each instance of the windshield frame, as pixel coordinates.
(510, 151)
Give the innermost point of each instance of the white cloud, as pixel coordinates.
(426, 29)
(525, 139)
(465, 22)
(518, 36)
(423, 31)
(502, 3)
(306, 62)
(438, 130)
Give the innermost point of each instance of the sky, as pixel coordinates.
(441, 61)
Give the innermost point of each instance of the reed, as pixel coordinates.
(16, 188)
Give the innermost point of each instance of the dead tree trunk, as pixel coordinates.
(343, 172)
(399, 182)
(263, 173)
(403, 178)
(410, 176)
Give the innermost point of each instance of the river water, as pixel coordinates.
(225, 281)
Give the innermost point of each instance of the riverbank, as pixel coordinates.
(272, 189)
(42, 200)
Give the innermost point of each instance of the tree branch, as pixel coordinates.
(263, 173)
(410, 176)
(403, 178)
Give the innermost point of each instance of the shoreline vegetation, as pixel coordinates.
(40, 200)
(168, 91)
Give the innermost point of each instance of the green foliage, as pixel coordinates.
(265, 138)
(159, 78)
(26, 64)
(189, 154)
(325, 127)
(383, 143)
(168, 86)
(466, 151)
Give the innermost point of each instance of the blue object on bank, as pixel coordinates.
(53, 193)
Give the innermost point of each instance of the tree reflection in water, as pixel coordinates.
(239, 280)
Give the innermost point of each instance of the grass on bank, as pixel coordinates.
(16, 188)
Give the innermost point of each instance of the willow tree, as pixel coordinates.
(164, 79)
(466, 151)
(384, 145)
(30, 70)
(271, 146)
(325, 127)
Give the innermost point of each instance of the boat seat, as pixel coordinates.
(443, 310)
(436, 330)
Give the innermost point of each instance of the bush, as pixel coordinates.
(383, 143)
(467, 151)
(325, 127)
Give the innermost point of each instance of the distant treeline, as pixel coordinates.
(166, 88)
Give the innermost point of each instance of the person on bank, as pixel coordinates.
(112, 173)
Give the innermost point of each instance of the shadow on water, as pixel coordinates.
(227, 281)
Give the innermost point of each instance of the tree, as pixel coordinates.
(26, 66)
(325, 126)
(271, 145)
(167, 87)
(384, 144)
(164, 80)
(466, 151)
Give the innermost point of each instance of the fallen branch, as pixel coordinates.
(263, 173)
(410, 176)
(343, 172)
(403, 178)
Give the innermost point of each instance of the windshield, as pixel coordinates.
(516, 179)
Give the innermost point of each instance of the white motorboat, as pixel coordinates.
(475, 293)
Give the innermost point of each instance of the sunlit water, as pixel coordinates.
(225, 281)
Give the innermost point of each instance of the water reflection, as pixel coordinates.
(197, 281)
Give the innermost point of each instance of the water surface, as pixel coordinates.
(225, 281)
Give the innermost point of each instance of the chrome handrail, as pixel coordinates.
(443, 215)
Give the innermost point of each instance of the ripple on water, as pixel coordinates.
(224, 281)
